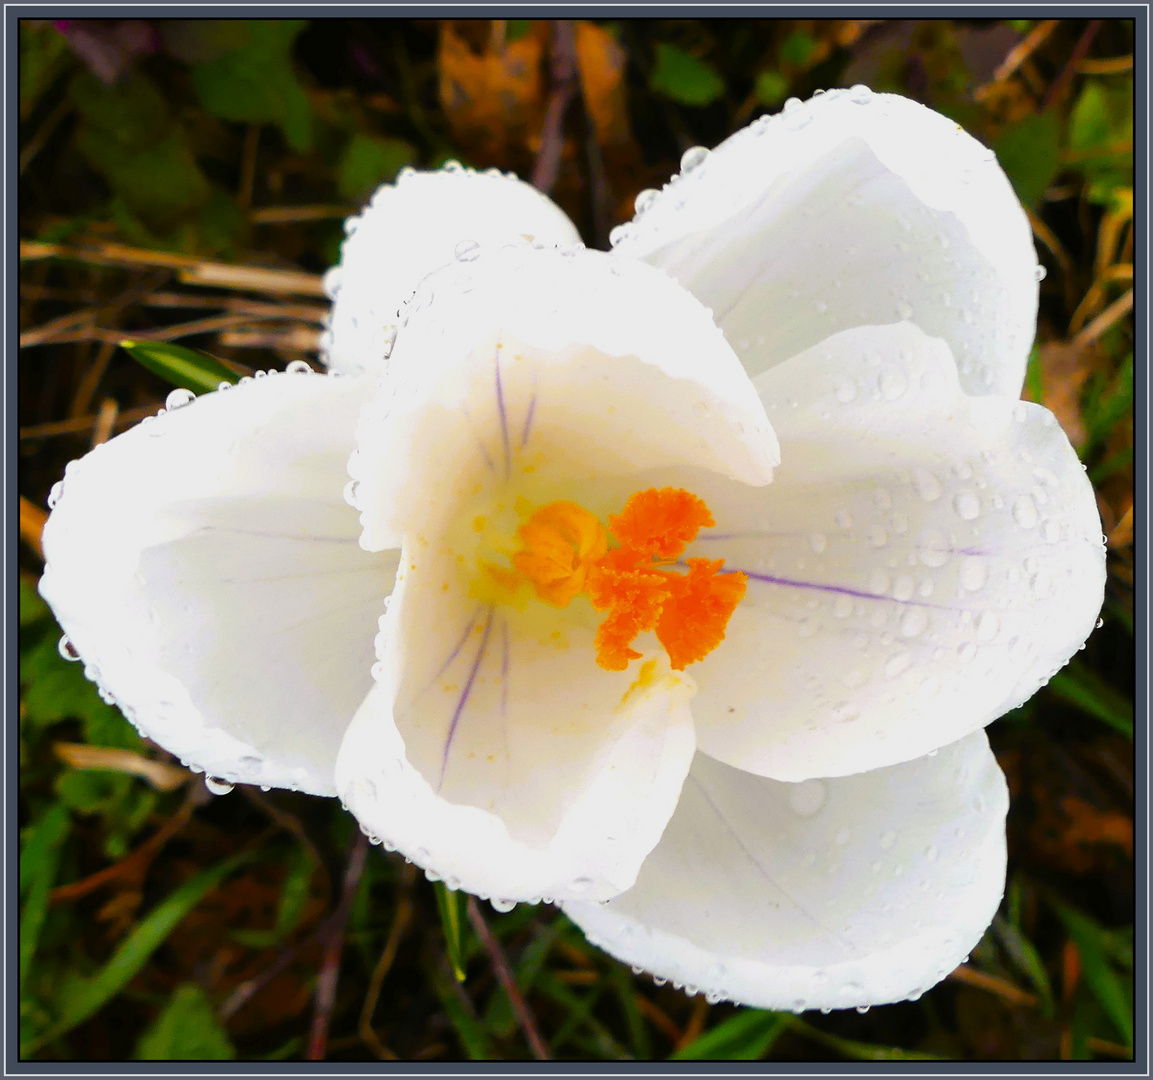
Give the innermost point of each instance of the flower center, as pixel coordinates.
(563, 552)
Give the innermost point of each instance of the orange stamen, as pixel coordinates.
(564, 552)
(689, 612)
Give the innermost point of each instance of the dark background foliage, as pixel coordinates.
(186, 181)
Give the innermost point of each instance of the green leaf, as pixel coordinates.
(1084, 688)
(682, 77)
(32, 608)
(852, 1048)
(257, 84)
(44, 54)
(798, 48)
(1114, 994)
(293, 900)
(449, 903)
(473, 1036)
(90, 995)
(747, 1036)
(771, 88)
(55, 690)
(1023, 953)
(190, 368)
(187, 1029)
(39, 862)
(1029, 152)
(369, 161)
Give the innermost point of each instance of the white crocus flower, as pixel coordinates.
(728, 715)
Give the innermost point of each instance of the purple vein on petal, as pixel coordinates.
(528, 420)
(480, 442)
(503, 418)
(459, 645)
(837, 590)
(464, 696)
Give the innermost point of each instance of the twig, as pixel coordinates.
(32, 520)
(105, 420)
(135, 862)
(1001, 987)
(562, 75)
(93, 373)
(290, 823)
(191, 270)
(1112, 314)
(1057, 88)
(161, 776)
(283, 215)
(40, 139)
(251, 987)
(396, 932)
(505, 978)
(79, 424)
(1023, 50)
(333, 937)
(248, 166)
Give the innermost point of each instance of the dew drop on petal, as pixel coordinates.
(846, 391)
(216, 785)
(466, 251)
(503, 906)
(898, 665)
(888, 839)
(967, 505)
(1025, 512)
(645, 199)
(693, 158)
(67, 649)
(860, 94)
(55, 494)
(928, 486)
(1039, 273)
(298, 367)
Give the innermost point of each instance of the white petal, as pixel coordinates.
(923, 562)
(575, 363)
(495, 753)
(826, 894)
(207, 569)
(852, 209)
(412, 227)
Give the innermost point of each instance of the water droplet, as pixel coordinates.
(1039, 272)
(644, 200)
(1100, 623)
(693, 158)
(55, 494)
(1050, 532)
(987, 626)
(904, 588)
(878, 582)
(807, 797)
(466, 251)
(452, 166)
(795, 114)
(216, 785)
(933, 549)
(1025, 512)
(1041, 584)
(967, 505)
(892, 382)
(904, 309)
(897, 665)
(178, 398)
(860, 94)
(973, 574)
(503, 906)
(888, 839)
(928, 486)
(619, 234)
(67, 649)
(818, 542)
(914, 622)
(846, 391)
(862, 1009)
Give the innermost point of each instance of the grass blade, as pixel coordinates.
(39, 861)
(747, 1036)
(190, 368)
(448, 903)
(1084, 688)
(93, 994)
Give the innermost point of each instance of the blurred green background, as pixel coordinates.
(186, 182)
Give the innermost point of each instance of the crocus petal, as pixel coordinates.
(923, 562)
(567, 355)
(824, 894)
(851, 209)
(412, 227)
(206, 569)
(510, 765)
